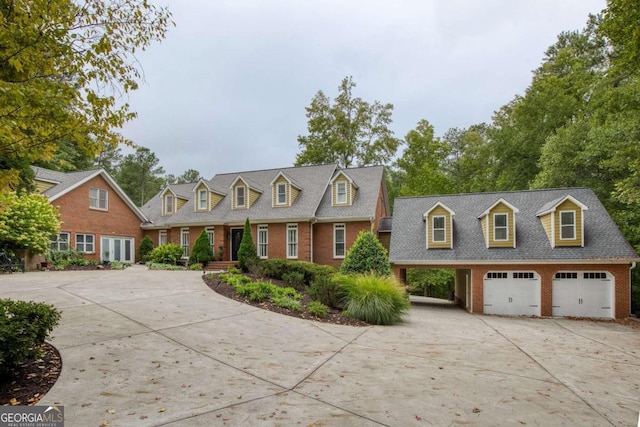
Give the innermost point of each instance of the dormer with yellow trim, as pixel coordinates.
(499, 225)
(169, 202)
(563, 221)
(243, 194)
(284, 191)
(343, 190)
(439, 227)
(205, 198)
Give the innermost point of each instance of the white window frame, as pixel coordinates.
(85, 246)
(202, 201)
(162, 237)
(211, 235)
(443, 229)
(244, 196)
(167, 198)
(336, 228)
(283, 193)
(341, 196)
(501, 227)
(97, 198)
(572, 226)
(61, 239)
(263, 241)
(184, 242)
(292, 241)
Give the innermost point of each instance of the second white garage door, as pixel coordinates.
(583, 294)
(515, 293)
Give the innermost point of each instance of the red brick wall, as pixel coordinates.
(118, 220)
(547, 273)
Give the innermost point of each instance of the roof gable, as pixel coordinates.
(553, 205)
(499, 201)
(438, 204)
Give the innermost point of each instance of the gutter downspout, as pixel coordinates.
(311, 224)
(633, 265)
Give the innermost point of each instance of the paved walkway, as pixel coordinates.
(144, 347)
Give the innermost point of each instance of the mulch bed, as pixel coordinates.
(32, 380)
(333, 316)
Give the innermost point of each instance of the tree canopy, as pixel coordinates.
(350, 131)
(64, 66)
(27, 221)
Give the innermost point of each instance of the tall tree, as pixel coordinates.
(64, 65)
(349, 131)
(140, 176)
(109, 159)
(190, 175)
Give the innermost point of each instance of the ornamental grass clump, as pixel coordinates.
(374, 299)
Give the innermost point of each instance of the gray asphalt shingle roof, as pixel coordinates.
(313, 201)
(603, 239)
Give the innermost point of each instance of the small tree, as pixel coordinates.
(145, 248)
(201, 252)
(367, 255)
(247, 254)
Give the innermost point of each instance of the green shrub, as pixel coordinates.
(367, 255)
(247, 253)
(280, 268)
(145, 248)
(201, 252)
(117, 265)
(166, 254)
(23, 328)
(196, 266)
(62, 259)
(275, 267)
(374, 299)
(318, 309)
(286, 302)
(160, 266)
(294, 279)
(328, 291)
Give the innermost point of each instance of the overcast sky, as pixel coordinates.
(226, 91)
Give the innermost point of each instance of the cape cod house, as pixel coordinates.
(535, 253)
(97, 217)
(308, 213)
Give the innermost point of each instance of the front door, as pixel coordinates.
(236, 238)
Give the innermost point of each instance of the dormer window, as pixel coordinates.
(240, 197)
(282, 193)
(567, 225)
(501, 227)
(341, 192)
(168, 204)
(439, 229)
(202, 199)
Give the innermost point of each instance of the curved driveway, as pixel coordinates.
(144, 347)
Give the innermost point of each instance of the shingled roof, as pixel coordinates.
(603, 240)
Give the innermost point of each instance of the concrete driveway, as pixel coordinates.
(144, 347)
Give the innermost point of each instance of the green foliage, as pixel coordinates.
(140, 176)
(436, 283)
(318, 309)
(261, 291)
(367, 255)
(286, 302)
(65, 258)
(24, 326)
(277, 268)
(374, 299)
(166, 254)
(326, 289)
(145, 248)
(195, 266)
(117, 265)
(27, 221)
(294, 279)
(349, 131)
(201, 252)
(161, 266)
(247, 253)
(65, 67)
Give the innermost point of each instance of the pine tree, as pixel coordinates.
(202, 251)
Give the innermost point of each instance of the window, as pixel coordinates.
(567, 225)
(439, 234)
(162, 237)
(98, 198)
(85, 243)
(60, 242)
(341, 192)
(292, 240)
(500, 226)
(168, 204)
(523, 275)
(211, 236)
(497, 275)
(597, 275)
(202, 199)
(184, 242)
(339, 237)
(282, 194)
(239, 197)
(564, 275)
(263, 241)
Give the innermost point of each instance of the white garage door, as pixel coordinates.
(515, 293)
(583, 294)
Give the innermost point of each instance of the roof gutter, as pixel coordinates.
(516, 261)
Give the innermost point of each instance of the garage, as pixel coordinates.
(514, 293)
(583, 294)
